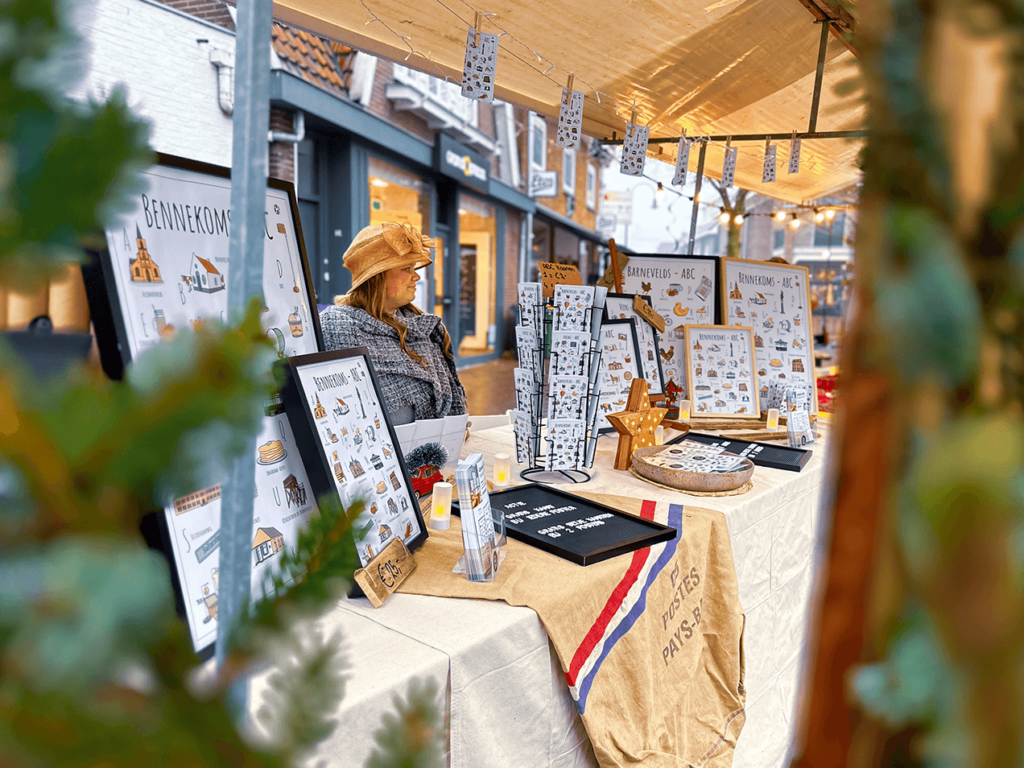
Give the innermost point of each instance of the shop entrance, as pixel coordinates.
(476, 331)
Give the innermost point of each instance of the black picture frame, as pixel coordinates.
(771, 455)
(313, 451)
(660, 389)
(115, 348)
(110, 328)
(604, 407)
(635, 532)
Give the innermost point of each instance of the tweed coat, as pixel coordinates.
(411, 391)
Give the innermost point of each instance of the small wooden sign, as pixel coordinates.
(385, 572)
(557, 274)
(646, 311)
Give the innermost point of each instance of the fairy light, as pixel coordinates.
(780, 216)
(830, 214)
(723, 217)
(819, 217)
(738, 219)
(794, 223)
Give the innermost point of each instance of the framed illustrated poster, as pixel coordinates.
(683, 290)
(620, 364)
(349, 446)
(283, 504)
(774, 299)
(166, 265)
(720, 372)
(620, 306)
(164, 269)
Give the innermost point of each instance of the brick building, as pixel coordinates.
(364, 141)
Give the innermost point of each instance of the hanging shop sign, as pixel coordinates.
(459, 162)
(543, 183)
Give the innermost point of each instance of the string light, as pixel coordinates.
(738, 219)
(659, 193)
(780, 216)
(819, 217)
(830, 214)
(723, 217)
(794, 223)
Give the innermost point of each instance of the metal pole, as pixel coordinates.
(696, 194)
(819, 74)
(250, 125)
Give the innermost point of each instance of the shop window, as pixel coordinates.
(397, 196)
(830, 236)
(569, 172)
(778, 240)
(538, 142)
(309, 199)
(591, 196)
(478, 241)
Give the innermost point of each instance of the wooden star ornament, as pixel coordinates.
(636, 424)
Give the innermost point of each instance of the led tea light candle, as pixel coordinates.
(773, 419)
(684, 410)
(659, 435)
(441, 507)
(502, 471)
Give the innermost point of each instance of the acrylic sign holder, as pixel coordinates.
(542, 377)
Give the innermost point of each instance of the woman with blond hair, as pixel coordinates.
(411, 351)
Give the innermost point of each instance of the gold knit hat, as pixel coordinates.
(381, 247)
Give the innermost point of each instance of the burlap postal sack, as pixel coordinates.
(651, 643)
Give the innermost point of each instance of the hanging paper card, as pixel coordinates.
(682, 162)
(794, 156)
(531, 311)
(570, 120)
(481, 60)
(768, 174)
(567, 397)
(634, 150)
(729, 167)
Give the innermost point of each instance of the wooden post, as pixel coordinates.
(616, 272)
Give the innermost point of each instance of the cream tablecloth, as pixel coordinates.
(507, 700)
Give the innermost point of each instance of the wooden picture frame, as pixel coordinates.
(349, 446)
(670, 282)
(721, 380)
(619, 306)
(756, 294)
(141, 286)
(616, 373)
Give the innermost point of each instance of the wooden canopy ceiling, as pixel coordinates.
(712, 67)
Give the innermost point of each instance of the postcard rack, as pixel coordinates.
(579, 445)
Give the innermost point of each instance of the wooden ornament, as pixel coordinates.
(636, 424)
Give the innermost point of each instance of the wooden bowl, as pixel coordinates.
(705, 482)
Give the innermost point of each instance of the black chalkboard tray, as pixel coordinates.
(601, 538)
(762, 454)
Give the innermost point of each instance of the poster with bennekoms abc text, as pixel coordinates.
(169, 257)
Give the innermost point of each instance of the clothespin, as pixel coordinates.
(476, 26)
(568, 88)
(767, 145)
(728, 143)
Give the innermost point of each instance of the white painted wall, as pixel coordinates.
(160, 57)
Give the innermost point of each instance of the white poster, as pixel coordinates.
(681, 290)
(169, 255)
(283, 503)
(774, 300)
(353, 431)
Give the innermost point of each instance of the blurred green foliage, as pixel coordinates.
(95, 667)
(943, 224)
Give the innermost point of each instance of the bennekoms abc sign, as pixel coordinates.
(466, 165)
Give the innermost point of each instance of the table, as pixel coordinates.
(480, 647)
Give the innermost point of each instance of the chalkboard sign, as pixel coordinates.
(762, 454)
(575, 529)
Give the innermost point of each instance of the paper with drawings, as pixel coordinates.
(768, 173)
(567, 397)
(481, 61)
(634, 150)
(565, 444)
(570, 353)
(682, 161)
(522, 425)
(570, 120)
(729, 167)
(620, 306)
(573, 306)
